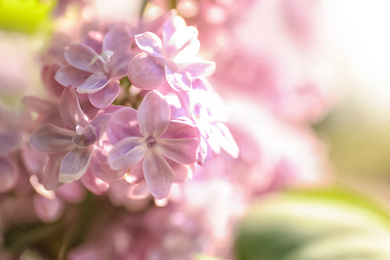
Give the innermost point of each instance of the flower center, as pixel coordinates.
(151, 141)
(86, 138)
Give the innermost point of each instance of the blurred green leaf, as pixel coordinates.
(27, 16)
(314, 225)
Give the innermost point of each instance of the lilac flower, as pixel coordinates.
(204, 107)
(73, 150)
(173, 58)
(148, 141)
(97, 74)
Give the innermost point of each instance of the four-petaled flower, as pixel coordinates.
(151, 143)
(97, 74)
(172, 59)
(75, 148)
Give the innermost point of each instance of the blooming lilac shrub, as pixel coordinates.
(134, 149)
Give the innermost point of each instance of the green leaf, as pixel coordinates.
(314, 225)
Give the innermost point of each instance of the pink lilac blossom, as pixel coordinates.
(151, 143)
(173, 58)
(75, 149)
(96, 69)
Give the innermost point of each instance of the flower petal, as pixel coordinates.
(158, 174)
(117, 40)
(70, 109)
(140, 190)
(80, 56)
(94, 184)
(48, 210)
(181, 130)
(171, 25)
(71, 76)
(100, 168)
(104, 97)
(8, 174)
(126, 153)
(52, 170)
(74, 164)
(200, 68)
(123, 123)
(179, 150)
(93, 84)
(153, 115)
(183, 172)
(119, 64)
(225, 139)
(149, 43)
(51, 139)
(52, 86)
(144, 72)
(136, 173)
(185, 41)
(94, 40)
(179, 81)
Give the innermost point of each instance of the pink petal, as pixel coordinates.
(52, 86)
(33, 161)
(70, 109)
(47, 210)
(183, 172)
(140, 190)
(200, 68)
(93, 84)
(188, 53)
(104, 97)
(52, 171)
(94, 184)
(80, 56)
(185, 41)
(9, 174)
(74, 164)
(126, 153)
(158, 174)
(72, 192)
(153, 115)
(178, 81)
(100, 168)
(181, 130)
(171, 25)
(9, 141)
(149, 43)
(51, 139)
(94, 40)
(144, 72)
(179, 150)
(226, 140)
(71, 76)
(100, 123)
(123, 123)
(136, 173)
(119, 64)
(117, 40)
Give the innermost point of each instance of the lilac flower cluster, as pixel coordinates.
(129, 112)
(155, 143)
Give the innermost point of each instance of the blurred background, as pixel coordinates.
(344, 45)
